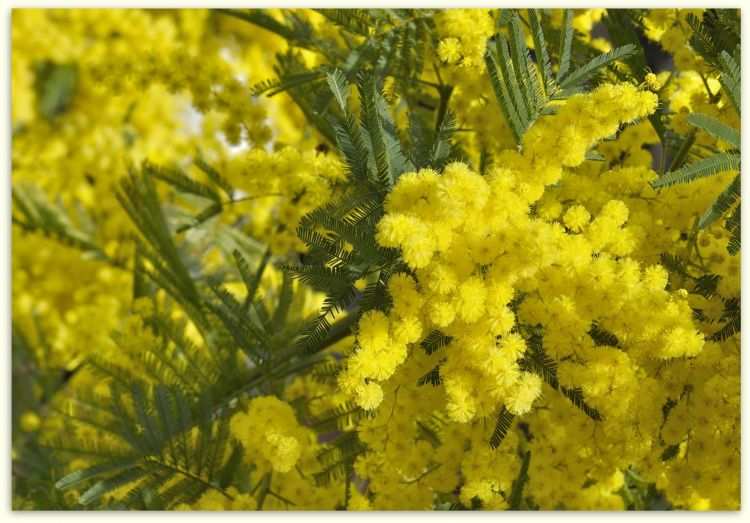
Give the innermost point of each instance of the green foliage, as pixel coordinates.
(621, 26)
(432, 377)
(338, 418)
(389, 43)
(596, 64)
(337, 459)
(537, 361)
(603, 337)
(54, 85)
(728, 197)
(153, 426)
(670, 452)
(167, 416)
(715, 128)
(731, 319)
(516, 492)
(718, 32)
(504, 422)
(521, 96)
(718, 163)
(34, 213)
(348, 252)
(434, 341)
(638, 494)
(731, 78)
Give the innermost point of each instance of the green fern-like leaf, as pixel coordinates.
(339, 85)
(160, 447)
(730, 80)
(566, 44)
(181, 181)
(516, 492)
(34, 213)
(715, 128)
(540, 50)
(441, 148)
(733, 225)
(432, 377)
(725, 161)
(504, 422)
(434, 341)
(358, 21)
(338, 418)
(722, 204)
(602, 337)
(536, 360)
(583, 73)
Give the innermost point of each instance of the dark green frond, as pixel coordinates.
(516, 492)
(358, 21)
(603, 337)
(432, 377)
(34, 213)
(733, 225)
(536, 360)
(326, 373)
(279, 85)
(352, 147)
(504, 423)
(585, 72)
(434, 341)
(566, 44)
(180, 181)
(715, 128)
(215, 176)
(339, 86)
(540, 50)
(158, 429)
(728, 197)
(441, 147)
(725, 161)
(338, 418)
(249, 278)
(670, 452)
(730, 80)
(373, 125)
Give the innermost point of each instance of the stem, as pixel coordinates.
(423, 474)
(187, 475)
(679, 159)
(347, 488)
(339, 330)
(437, 74)
(445, 95)
(712, 98)
(265, 486)
(282, 498)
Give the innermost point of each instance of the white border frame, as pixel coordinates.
(5, 260)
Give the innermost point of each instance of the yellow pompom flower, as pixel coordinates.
(576, 217)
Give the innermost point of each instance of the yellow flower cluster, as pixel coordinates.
(279, 444)
(473, 250)
(582, 122)
(212, 87)
(670, 28)
(465, 36)
(278, 188)
(216, 500)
